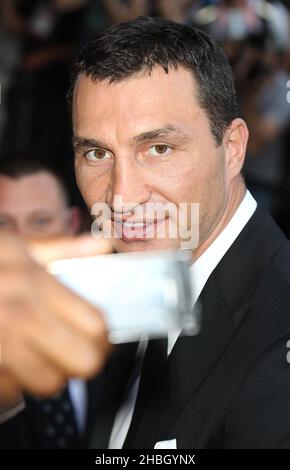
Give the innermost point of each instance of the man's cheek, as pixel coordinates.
(91, 189)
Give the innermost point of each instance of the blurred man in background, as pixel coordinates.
(34, 200)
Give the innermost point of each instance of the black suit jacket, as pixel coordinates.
(229, 386)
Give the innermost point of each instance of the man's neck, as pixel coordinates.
(236, 194)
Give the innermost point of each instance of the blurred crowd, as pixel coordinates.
(39, 40)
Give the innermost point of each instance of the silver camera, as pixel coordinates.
(142, 295)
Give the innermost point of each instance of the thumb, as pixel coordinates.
(44, 251)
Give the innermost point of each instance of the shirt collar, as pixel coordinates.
(202, 268)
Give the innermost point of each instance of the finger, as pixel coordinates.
(12, 249)
(68, 247)
(10, 394)
(31, 372)
(69, 307)
(65, 348)
(71, 353)
(33, 284)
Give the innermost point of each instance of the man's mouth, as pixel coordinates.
(131, 230)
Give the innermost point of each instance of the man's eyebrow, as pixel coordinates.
(79, 142)
(167, 131)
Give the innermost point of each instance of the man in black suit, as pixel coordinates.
(155, 122)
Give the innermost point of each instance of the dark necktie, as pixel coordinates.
(55, 420)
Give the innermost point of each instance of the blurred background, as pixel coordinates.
(39, 40)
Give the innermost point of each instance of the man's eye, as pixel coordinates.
(42, 221)
(98, 155)
(4, 223)
(159, 150)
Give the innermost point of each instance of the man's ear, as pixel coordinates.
(74, 220)
(235, 143)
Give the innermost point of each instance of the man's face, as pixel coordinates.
(34, 206)
(147, 140)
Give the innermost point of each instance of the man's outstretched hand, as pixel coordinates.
(47, 333)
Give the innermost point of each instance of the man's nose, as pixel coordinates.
(22, 230)
(128, 187)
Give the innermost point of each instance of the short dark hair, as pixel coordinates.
(142, 43)
(20, 164)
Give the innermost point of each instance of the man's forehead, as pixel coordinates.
(155, 79)
(43, 183)
(139, 104)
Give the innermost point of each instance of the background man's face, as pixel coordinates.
(34, 206)
(118, 151)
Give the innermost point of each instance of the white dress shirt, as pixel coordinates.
(79, 397)
(200, 271)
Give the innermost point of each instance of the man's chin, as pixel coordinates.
(125, 246)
